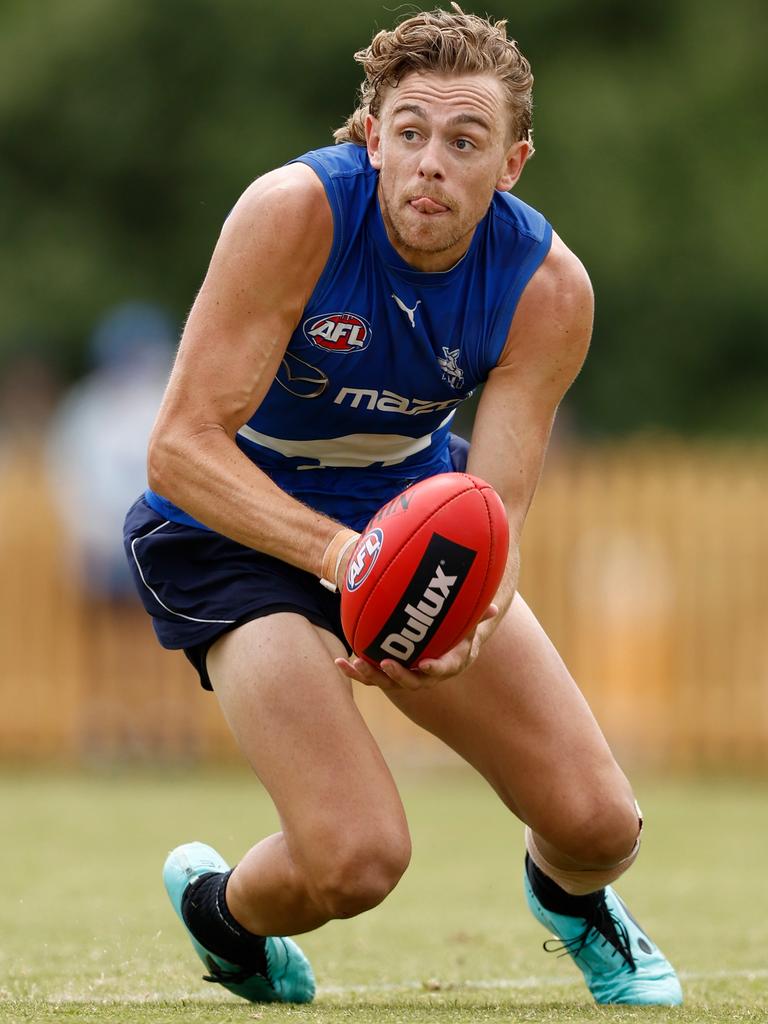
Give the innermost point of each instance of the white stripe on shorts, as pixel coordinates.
(189, 618)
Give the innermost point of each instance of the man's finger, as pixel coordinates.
(401, 676)
(351, 672)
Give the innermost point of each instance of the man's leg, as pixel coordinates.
(344, 841)
(518, 717)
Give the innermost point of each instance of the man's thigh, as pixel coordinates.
(518, 717)
(293, 715)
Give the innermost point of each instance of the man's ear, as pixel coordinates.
(373, 140)
(514, 163)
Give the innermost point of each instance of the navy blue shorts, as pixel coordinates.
(198, 585)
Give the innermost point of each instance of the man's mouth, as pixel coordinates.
(423, 204)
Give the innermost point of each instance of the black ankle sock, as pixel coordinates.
(553, 898)
(205, 911)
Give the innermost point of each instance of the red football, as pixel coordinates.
(425, 569)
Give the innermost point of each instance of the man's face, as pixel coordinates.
(441, 146)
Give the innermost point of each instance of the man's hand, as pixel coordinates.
(391, 675)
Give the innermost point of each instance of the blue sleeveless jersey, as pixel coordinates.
(362, 403)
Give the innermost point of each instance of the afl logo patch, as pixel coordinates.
(338, 332)
(364, 558)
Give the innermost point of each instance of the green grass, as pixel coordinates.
(86, 933)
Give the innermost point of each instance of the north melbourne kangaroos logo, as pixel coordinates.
(338, 332)
(452, 372)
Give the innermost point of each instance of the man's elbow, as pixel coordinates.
(163, 459)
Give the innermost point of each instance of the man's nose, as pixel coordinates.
(430, 164)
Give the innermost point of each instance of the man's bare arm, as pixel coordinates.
(546, 347)
(271, 252)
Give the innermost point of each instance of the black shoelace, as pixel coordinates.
(601, 924)
(219, 975)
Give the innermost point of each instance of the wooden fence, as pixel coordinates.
(646, 562)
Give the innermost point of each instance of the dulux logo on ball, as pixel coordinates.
(364, 558)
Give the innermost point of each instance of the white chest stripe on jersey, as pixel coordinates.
(349, 450)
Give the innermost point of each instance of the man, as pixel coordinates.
(355, 297)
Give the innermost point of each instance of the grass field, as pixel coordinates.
(86, 933)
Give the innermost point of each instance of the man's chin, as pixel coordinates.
(427, 239)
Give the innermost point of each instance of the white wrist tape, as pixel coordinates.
(337, 548)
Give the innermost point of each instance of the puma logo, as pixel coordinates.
(410, 313)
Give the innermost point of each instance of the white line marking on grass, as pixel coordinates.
(486, 984)
(439, 986)
(745, 972)
(530, 982)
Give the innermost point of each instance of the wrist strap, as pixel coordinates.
(337, 547)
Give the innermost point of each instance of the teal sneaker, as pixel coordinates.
(289, 977)
(619, 962)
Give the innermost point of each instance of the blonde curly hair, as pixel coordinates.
(447, 42)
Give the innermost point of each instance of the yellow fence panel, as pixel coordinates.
(647, 562)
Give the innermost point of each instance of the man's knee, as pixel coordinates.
(357, 875)
(603, 833)
(594, 847)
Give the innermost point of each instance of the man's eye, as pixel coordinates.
(409, 134)
(464, 144)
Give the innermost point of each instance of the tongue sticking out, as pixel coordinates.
(425, 205)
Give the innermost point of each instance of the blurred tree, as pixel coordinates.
(128, 129)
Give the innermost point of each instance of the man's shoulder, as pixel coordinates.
(346, 174)
(288, 194)
(281, 220)
(524, 219)
(555, 311)
(297, 185)
(344, 160)
(562, 276)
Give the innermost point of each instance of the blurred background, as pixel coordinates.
(127, 132)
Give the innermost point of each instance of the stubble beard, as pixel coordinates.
(416, 241)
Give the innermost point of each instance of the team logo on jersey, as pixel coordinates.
(452, 372)
(301, 378)
(364, 558)
(338, 332)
